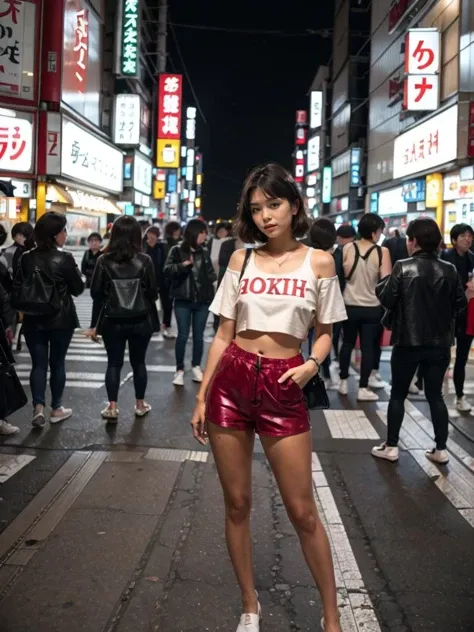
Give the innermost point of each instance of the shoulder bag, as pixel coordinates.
(126, 298)
(37, 295)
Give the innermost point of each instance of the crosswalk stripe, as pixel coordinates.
(75, 358)
(10, 464)
(350, 424)
(73, 384)
(70, 375)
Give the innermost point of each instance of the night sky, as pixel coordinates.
(249, 86)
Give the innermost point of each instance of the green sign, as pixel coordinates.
(130, 49)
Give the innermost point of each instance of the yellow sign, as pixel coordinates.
(167, 153)
(434, 195)
(159, 190)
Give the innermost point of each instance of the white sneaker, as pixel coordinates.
(343, 387)
(61, 414)
(331, 385)
(364, 395)
(168, 334)
(463, 405)
(385, 452)
(158, 337)
(197, 374)
(7, 429)
(441, 457)
(375, 381)
(178, 379)
(413, 389)
(250, 622)
(209, 339)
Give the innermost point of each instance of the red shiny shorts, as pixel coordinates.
(244, 394)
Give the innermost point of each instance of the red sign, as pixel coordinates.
(52, 51)
(301, 117)
(170, 105)
(398, 12)
(470, 132)
(301, 135)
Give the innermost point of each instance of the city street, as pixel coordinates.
(117, 528)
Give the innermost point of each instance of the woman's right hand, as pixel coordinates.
(198, 422)
(188, 262)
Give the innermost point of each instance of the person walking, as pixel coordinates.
(89, 260)
(462, 258)
(156, 250)
(21, 232)
(6, 357)
(365, 263)
(192, 276)
(267, 302)
(125, 292)
(423, 296)
(46, 280)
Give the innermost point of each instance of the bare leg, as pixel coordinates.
(232, 451)
(290, 460)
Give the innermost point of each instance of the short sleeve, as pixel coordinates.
(330, 308)
(225, 300)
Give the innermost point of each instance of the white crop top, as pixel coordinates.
(289, 303)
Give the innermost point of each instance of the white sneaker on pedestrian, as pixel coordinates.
(385, 452)
(364, 395)
(158, 337)
(331, 385)
(60, 414)
(375, 381)
(463, 405)
(441, 457)
(343, 387)
(168, 334)
(250, 622)
(413, 389)
(209, 339)
(7, 429)
(197, 374)
(178, 379)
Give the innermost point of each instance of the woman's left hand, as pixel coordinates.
(301, 375)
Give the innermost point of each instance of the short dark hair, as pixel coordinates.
(192, 231)
(369, 224)
(95, 236)
(22, 228)
(426, 232)
(47, 228)
(3, 234)
(459, 229)
(171, 227)
(125, 239)
(323, 234)
(346, 231)
(275, 182)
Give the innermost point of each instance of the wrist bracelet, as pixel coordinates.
(316, 362)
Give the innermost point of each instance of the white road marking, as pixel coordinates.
(161, 368)
(169, 454)
(350, 424)
(10, 464)
(72, 384)
(70, 375)
(355, 605)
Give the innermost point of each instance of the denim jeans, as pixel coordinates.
(434, 362)
(115, 340)
(187, 313)
(52, 344)
(463, 347)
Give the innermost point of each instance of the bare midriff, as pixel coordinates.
(271, 345)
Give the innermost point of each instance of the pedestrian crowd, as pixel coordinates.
(271, 286)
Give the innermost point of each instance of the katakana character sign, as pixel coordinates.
(11, 10)
(421, 93)
(422, 51)
(424, 55)
(16, 144)
(169, 106)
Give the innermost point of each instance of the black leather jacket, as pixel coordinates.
(190, 283)
(89, 261)
(424, 295)
(140, 266)
(60, 266)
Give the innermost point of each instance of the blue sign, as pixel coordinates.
(172, 184)
(374, 202)
(127, 170)
(355, 166)
(414, 191)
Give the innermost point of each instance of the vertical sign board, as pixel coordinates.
(130, 31)
(127, 119)
(422, 64)
(170, 105)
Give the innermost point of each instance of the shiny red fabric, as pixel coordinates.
(245, 395)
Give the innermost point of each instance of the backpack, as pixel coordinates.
(37, 295)
(126, 298)
(364, 258)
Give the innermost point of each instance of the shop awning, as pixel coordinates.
(77, 200)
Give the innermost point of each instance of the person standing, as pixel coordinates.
(424, 297)
(48, 326)
(21, 232)
(365, 263)
(91, 256)
(270, 297)
(192, 277)
(6, 336)
(124, 271)
(156, 250)
(462, 258)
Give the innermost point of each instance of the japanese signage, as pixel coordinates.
(427, 145)
(190, 123)
(142, 173)
(316, 109)
(434, 190)
(299, 166)
(168, 153)
(301, 135)
(470, 131)
(86, 157)
(127, 119)
(422, 63)
(53, 144)
(81, 79)
(456, 189)
(16, 144)
(398, 12)
(17, 48)
(169, 106)
(327, 185)
(414, 191)
(355, 166)
(301, 117)
(313, 153)
(130, 31)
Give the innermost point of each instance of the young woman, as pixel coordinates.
(123, 271)
(255, 374)
(365, 263)
(192, 276)
(48, 336)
